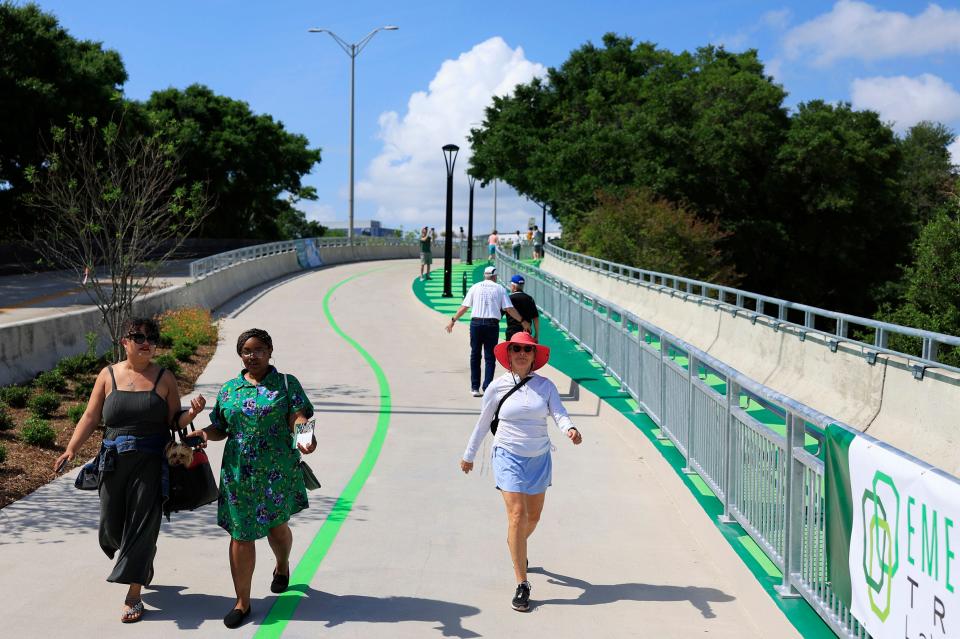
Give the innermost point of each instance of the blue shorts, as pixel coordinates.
(491, 248)
(518, 474)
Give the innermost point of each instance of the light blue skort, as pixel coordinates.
(518, 474)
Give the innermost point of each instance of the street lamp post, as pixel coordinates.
(494, 204)
(352, 50)
(472, 181)
(450, 157)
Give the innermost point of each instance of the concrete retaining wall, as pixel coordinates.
(884, 399)
(32, 346)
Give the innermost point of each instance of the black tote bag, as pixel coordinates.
(191, 486)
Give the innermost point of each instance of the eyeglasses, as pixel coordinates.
(258, 352)
(140, 338)
(516, 348)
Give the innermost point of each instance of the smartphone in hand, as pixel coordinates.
(193, 441)
(62, 465)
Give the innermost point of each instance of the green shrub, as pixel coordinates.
(15, 396)
(6, 422)
(44, 404)
(3, 453)
(169, 362)
(37, 432)
(51, 381)
(183, 351)
(83, 389)
(75, 412)
(70, 367)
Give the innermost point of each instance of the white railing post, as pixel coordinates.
(793, 521)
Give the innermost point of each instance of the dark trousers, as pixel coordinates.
(130, 512)
(483, 334)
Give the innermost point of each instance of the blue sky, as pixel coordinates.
(422, 86)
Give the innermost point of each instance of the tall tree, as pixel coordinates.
(45, 76)
(698, 127)
(928, 173)
(839, 202)
(253, 165)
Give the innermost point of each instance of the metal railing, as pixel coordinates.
(800, 318)
(769, 477)
(203, 267)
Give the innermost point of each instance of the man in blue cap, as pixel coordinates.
(527, 308)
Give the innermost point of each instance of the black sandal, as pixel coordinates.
(280, 582)
(134, 611)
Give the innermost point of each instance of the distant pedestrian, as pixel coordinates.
(527, 308)
(426, 253)
(492, 242)
(489, 301)
(537, 243)
(516, 247)
(433, 234)
(521, 400)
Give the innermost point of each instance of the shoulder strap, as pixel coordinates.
(110, 368)
(159, 375)
(286, 391)
(496, 416)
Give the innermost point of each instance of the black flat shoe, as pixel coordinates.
(236, 617)
(279, 583)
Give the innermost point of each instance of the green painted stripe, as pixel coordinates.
(751, 547)
(611, 381)
(701, 485)
(286, 604)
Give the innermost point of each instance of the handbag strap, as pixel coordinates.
(496, 416)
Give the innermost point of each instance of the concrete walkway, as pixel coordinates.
(33, 295)
(623, 549)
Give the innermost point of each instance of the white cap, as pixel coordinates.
(490, 270)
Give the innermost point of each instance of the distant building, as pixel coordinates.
(370, 228)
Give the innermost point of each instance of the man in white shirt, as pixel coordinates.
(489, 302)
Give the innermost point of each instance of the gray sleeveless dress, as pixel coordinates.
(131, 497)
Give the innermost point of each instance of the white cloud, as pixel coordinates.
(906, 101)
(854, 29)
(318, 211)
(407, 180)
(775, 20)
(955, 152)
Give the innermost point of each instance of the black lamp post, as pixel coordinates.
(450, 157)
(472, 181)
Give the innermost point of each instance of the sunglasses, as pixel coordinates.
(259, 353)
(140, 338)
(516, 348)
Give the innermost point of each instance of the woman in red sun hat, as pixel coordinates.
(515, 408)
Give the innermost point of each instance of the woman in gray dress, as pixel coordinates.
(137, 400)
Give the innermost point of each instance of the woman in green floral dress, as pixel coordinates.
(261, 484)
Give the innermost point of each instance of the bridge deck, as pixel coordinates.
(415, 548)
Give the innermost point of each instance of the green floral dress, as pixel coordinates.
(261, 485)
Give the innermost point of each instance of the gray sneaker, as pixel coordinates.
(476, 392)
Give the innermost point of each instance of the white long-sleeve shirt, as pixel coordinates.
(523, 418)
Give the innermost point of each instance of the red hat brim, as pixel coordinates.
(541, 355)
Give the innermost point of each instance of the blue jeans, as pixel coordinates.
(483, 334)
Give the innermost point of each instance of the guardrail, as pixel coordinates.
(770, 479)
(783, 312)
(203, 267)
